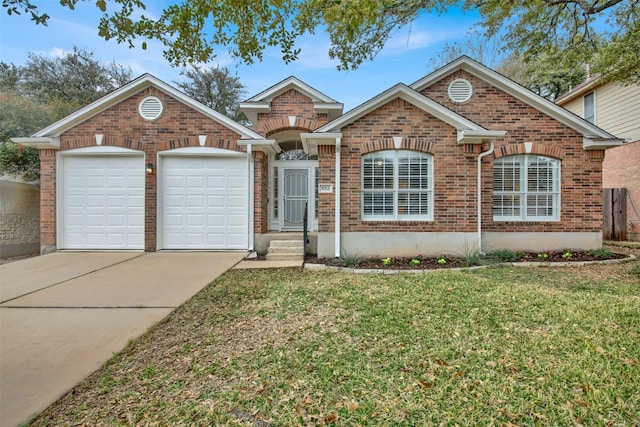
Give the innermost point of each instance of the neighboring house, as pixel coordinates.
(615, 108)
(148, 168)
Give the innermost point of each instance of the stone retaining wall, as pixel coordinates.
(19, 219)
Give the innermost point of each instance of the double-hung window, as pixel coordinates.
(397, 185)
(526, 188)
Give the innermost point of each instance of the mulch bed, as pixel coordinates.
(428, 263)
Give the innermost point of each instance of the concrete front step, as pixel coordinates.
(286, 250)
(286, 244)
(284, 257)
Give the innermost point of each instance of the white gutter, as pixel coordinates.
(337, 215)
(480, 156)
(251, 190)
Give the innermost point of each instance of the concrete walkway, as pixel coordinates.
(64, 314)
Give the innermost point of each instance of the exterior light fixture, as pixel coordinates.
(150, 168)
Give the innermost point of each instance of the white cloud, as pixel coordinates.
(58, 52)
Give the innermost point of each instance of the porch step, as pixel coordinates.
(285, 250)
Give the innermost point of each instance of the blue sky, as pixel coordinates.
(405, 59)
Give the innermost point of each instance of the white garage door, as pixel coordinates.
(204, 202)
(103, 202)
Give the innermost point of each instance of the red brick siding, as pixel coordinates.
(261, 194)
(122, 126)
(455, 165)
(290, 103)
(47, 198)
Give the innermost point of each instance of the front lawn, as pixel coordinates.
(499, 346)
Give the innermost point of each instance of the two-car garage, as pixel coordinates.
(202, 199)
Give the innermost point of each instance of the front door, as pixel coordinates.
(295, 195)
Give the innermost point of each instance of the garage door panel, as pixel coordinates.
(103, 202)
(199, 206)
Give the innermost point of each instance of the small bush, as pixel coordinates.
(506, 255)
(472, 259)
(350, 260)
(601, 253)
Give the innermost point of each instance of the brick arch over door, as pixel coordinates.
(283, 123)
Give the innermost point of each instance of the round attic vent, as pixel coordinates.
(150, 108)
(460, 90)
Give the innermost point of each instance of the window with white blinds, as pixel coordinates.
(397, 185)
(526, 188)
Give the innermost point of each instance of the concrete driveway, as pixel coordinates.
(64, 314)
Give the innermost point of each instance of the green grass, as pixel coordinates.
(282, 347)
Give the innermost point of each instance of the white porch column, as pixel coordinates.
(337, 203)
(251, 192)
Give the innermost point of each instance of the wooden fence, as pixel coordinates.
(614, 209)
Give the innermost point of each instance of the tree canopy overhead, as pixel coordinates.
(562, 31)
(569, 32)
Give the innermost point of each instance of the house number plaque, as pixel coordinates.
(325, 188)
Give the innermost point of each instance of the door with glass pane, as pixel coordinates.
(295, 195)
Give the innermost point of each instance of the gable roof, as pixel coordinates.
(507, 85)
(53, 131)
(404, 92)
(587, 85)
(262, 101)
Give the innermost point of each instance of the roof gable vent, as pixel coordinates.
(460, 90)
(150, 108)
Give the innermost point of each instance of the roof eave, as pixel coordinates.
(596, 143)
(268, 146)
(40, 142)
(131, 88)
(479, 136)
(514, 89)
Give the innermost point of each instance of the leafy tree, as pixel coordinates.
(215, 88)
(71, 81)
(43, 90)
(19, 161)
(487, 51)
(547, 77)
(9, 77)
(567, 30)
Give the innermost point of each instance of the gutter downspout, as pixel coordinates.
(480, 156)
(337, 202)
(251, 204)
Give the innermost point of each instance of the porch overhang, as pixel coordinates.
(268, 146)
(311, 141)
(39, 142)
(590, 143)
(472, 136)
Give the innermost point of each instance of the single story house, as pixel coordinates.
(463, 159)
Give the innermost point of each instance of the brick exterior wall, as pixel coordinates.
(455, 175)
(290, 103)
(622, 170)
(122, 126)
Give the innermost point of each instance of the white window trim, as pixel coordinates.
(397, 217)
(584, 109)
(523, 193)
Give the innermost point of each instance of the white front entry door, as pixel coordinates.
(295, 196)
(205, 203)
